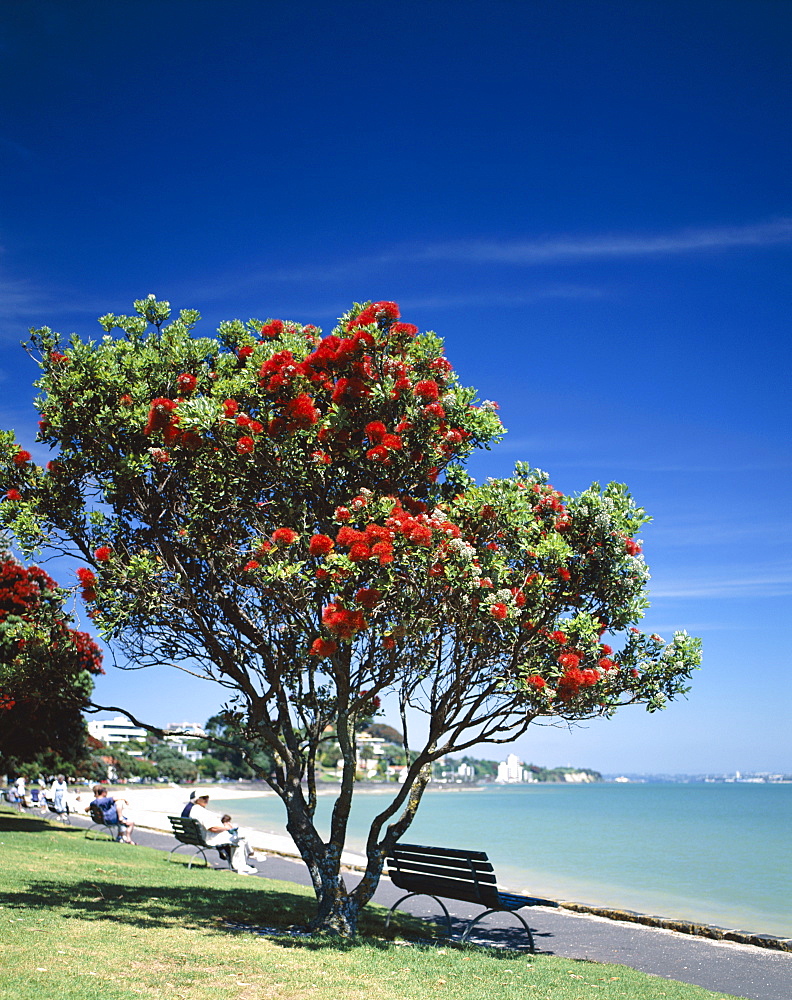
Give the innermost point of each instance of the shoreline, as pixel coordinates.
(150, 807)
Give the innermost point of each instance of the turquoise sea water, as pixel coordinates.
(714, 853)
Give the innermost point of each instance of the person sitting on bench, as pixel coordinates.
(217, 833)
(113, 812)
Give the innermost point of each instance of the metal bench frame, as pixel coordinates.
(455, 874)
(189, 833)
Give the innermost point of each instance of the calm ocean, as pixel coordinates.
(713, 853)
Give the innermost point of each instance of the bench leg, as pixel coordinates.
(409, 895)
(486, 913)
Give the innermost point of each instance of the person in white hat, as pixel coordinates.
(218, 834)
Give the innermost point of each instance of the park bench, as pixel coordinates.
(454, 874)
(99, 825)
(189, 833)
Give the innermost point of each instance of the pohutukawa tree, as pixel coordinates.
(288, 515)
(46, 669)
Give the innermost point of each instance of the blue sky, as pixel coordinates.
(590, 201)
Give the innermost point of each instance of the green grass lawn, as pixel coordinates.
(95, 920)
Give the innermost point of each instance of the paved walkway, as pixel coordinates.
(725, 967)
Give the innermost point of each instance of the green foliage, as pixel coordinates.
(289, 516)
(169, 763)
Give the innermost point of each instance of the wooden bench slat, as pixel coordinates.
(447, 852)
(481, 873)
(468, 891)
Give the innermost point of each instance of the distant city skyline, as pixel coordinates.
(590, 202)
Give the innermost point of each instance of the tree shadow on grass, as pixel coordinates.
(120, 903)
(26, 823)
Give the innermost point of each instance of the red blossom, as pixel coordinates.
(160, 414)
(375, 431)
(564, 573)
(103, 553)
(499, 611)
(86, 576)
(440, 366)
(244, 352)
(186, 382)
(284, 536)
(336, 618)
(633, 548)
(342, 514)
(250, 565)
(323, 648)
(245, 445)
(359, 552)
(404, 330)
(535, 681)
(383, 551)
(13, 495)
(368, 597)
(21, 457)
(320, 545)
(378, 453)
(569, 660)
(427, 389)
(559, 637)
(301, 410)
(230, 406)
(434, 410)
(272, 329)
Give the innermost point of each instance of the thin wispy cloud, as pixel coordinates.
(770, 585)
(611, 245)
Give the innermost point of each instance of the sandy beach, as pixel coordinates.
(150, 807)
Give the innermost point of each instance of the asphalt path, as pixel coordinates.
(732, 969)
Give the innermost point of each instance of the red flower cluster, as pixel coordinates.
(633, 548)
(21, 457)
(320, 545)
(186, 382)
(103, 553)
(160, 418)
(273, 329)
(498, 611)
(323, 648)
(87, 583)
(368, 597)
(342, 622)
(284, 536)
(428, 390)
(381, 313)
(301, 411)
(575, 679)
(245, 445)
(13, 495)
